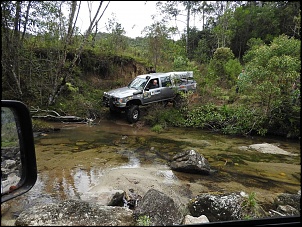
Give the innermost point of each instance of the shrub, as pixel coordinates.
(143, 221)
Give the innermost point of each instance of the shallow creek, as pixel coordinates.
(80, 160)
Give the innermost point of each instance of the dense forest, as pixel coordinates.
(50, 65)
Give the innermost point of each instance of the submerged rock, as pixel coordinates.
(266, 148)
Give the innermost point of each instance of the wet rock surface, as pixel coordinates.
(190, 161)
(267, 148)
(160, 209)
(157, 209)
(75, 213)
(11, 168)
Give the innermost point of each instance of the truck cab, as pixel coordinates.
(141, 91)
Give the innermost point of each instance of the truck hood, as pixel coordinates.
(122, 92)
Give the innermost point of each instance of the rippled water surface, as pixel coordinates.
(75, 159)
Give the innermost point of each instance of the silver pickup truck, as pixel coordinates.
(146, 89)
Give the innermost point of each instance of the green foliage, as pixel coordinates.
(164, 116)
(41, 126)
(251, 208)
(180, 63)
(223, 54)
(157, 128)
(172, 116)
(254, 43)
(245, 120)
(9, 131)
(201, 116)
(159, 51)
(266, 16)
(286, 119)
(9, 135)
(222, 30)
(271, 71)
(83, 102)
(116, 42)
(232, 69)
(71, 88)
(201, 53)
(226, 119)
(144, 220)
(264, 23)
(217, 65)
(250, 201)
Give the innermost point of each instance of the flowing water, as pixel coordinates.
(79, 158)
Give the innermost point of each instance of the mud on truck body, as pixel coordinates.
(140, 92)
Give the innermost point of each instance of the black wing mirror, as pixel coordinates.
(18, 158)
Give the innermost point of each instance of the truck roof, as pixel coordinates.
(179, 74)
(151, 75)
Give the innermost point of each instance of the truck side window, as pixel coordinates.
(153, 84)
(165, 81)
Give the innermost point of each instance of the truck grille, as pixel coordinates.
(108, 101)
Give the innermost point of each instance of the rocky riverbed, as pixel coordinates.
(85, 163)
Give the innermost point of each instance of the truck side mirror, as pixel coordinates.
(18, 158)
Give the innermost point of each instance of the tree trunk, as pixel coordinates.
(15, 48)
(59, 87)
(188, 25)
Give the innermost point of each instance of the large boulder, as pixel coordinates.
(217, 207)
(287, 204)
(76, 213)
(190, 161)
(159, 208)
(189, 220)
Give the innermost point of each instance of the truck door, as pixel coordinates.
(153, 92)
(168, 91)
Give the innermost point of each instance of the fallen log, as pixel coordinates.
(60, 118)
(55, 116)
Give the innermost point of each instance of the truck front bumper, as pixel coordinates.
(113, 102)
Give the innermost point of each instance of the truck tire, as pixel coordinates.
(178, 101)
(133, 114)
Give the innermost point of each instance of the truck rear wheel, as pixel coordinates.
(178, 101)
(133, 113)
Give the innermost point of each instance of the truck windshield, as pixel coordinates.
(138, 83)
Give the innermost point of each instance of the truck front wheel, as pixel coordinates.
(133, 113)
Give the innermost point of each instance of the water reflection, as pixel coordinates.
(85, 179)
(133, 161)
